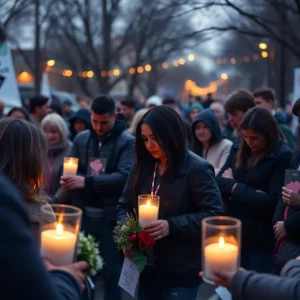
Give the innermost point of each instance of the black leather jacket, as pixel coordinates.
(187, 195)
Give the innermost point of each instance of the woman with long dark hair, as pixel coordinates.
(188, 192)
(250, 184)
(208, 141)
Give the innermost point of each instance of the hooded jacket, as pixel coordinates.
(219, 147)
(82, 114)
(104, 190)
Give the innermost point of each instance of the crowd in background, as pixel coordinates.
(238, 151)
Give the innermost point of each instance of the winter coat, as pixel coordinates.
(247, 285)
(104, 190)
(219, 147)
(23, 273)
(255, 208)
(187, 195)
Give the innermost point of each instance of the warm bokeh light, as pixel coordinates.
(51, 63)
(67, 73)
(175, 63)
(116, 72)
(246, 59)
(90, 74)
(256, 57)
(191, 57)
(233, 60)
(25, 77)
(181, 61)
(219, 61)
(192, 88)
(148, 68)
(140, 69)
(103, 74)
(262, 46)
(131, 71)
(165, 65)
(264, 54)
(110, 73)
(224, 76)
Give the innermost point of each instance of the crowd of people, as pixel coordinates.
(206, 158)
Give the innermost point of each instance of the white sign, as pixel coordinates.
(9, 91)
(129, 277)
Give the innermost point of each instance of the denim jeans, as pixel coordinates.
(101, 228)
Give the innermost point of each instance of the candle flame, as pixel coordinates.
(148, 203)
(221, 242)
(59, 229)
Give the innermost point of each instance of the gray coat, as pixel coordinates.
(250, 285)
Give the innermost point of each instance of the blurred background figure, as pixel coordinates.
(55, 107)
(39, 108)
(209, 100)
(19, 113)
(220, 112)
(153, 101)
(55, 129)
(127, 109)
(136, 119)
(187, 125)
(67, 110)
(208, 141)
(79, 122)
(193, 111)
(2, 106)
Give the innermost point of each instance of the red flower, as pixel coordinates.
(146, 241)
(132, 238)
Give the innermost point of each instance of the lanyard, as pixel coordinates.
(153, 182)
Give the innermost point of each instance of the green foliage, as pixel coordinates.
(140, 260)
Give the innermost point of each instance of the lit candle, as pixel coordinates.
(70, 166)
(58, 245)
(220, 256)
(148, 214)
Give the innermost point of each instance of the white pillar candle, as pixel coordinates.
(70, 166)
(148, 214)
(220, 256)
(58, 245)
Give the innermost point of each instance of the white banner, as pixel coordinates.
(296, 94)
(9, 91)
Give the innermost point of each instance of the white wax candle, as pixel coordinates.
(58, 245)
(147, 214)
(70, 168)
(220, 257)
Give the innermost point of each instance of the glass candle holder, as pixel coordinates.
(221, 239)
(60, 226)
(70, 166)
(148, 209)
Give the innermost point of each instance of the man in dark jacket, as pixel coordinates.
(105, 154)
(23, 274)
(265, 98)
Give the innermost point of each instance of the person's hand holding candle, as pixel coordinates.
(72, 182)
(158, 229)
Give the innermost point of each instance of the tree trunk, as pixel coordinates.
(152, 84)
(37, 53)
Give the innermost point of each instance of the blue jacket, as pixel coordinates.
(188, 194)
(22, 273)
(104, 190)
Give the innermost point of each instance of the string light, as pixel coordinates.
(103, 74)
(131, 71)
(90, 74)
(264, 54)
(116, 72)
(181, 61)
(191, 57)
(233, 60)
(51, 63)
(148, 68)
(165, 65)
(224, 76)
(140, 69)
(175, 63)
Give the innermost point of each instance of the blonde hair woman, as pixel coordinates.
(23, 152)
(54, 126)
(137, 117)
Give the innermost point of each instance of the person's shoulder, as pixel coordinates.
(281, 150)
(82, 136)
(127, 137)
(195, 162)
(225, 143)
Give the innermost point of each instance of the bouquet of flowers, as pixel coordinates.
(87, 249)
(134, 242)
